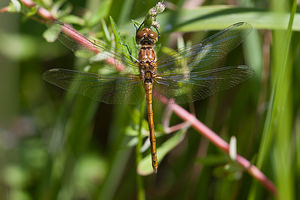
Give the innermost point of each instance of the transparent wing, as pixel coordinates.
(207, 54)
(117, 88)
(75, 41)
(199, 85)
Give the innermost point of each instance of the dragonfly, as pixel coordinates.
(189, 74)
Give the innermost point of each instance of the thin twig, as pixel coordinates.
(4, 9)
(167, 117)
(219, 142)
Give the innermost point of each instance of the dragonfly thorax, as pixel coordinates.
(147, 56)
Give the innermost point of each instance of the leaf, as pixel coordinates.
(51, 34)
(16, 4)
(106, 31)
(136, 23)
(219, 17)
(145, 166)
(61, 8)
(72, 19)
(118, 39)
(47, 3)
(102, 11)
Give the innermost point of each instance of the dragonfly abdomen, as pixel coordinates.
(148, 91)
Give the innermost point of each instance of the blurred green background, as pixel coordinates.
(57, 145)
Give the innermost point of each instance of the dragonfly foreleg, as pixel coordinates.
(133, 59)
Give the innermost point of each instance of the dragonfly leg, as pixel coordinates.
(130, 53)
(158, 34)
(142, 24)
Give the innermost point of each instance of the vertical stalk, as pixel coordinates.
(139, 180)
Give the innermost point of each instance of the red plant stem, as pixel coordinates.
(218, 141)
(181, 112)
(68, 30)
(166, 120)
(176, 127)
(71, 32)
(4, 9)
(28, 3)
(44, 13)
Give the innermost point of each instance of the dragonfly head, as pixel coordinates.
(146, 36)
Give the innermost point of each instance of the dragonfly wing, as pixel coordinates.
(75, 41)
(199, 85)
(117, 88)
(206, 54)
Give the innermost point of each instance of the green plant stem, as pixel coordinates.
(283, 110)
(140, 186)
(277, 123)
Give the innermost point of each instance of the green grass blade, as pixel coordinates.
(140, 186)
(278, 122)
(145, 167)
(219, 17)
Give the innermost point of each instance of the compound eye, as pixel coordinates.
(153, 36)
(140, 35)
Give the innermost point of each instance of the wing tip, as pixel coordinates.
(47, 73)
(53, 70)
(245, 26)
